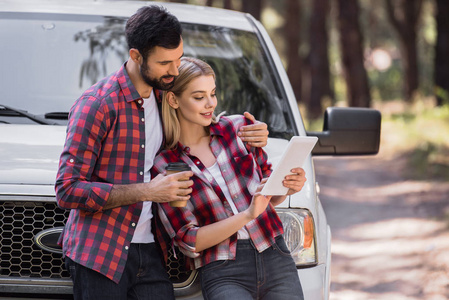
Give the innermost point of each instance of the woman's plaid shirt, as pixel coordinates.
(104, 146)
(242, 171)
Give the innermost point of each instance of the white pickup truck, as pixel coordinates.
(51, 51)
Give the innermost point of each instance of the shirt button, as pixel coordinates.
(133, 224)
(72, 160)
(140, 101)
(143, 146)
(198, 162)
(141, 173)
(143, 119)
(126, 247)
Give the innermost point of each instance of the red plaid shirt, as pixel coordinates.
(104, 146)
(242, 171)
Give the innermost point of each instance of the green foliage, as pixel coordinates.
(429, 160)
(386, 85)
(442, 93)
(419, 134)
(313, 124)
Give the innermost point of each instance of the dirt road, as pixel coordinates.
(390, 236)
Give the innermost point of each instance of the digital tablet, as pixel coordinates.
(294, 156)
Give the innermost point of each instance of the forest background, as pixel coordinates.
(392, 55)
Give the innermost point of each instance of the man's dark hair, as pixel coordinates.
(152, 26)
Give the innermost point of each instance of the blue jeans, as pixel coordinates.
(145, 277)
(268, 275)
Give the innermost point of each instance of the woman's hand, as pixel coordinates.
(214, 233)
(259, 202)
(295, 182)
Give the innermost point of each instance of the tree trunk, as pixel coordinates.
(404, 16)
(442, 53)
(318, 59)
(351, 41)
(293, 39)
(227, 4)
(254, 7)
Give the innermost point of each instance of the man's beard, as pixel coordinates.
(154, 82)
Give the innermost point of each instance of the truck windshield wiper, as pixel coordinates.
(59, 115)
(8, 109)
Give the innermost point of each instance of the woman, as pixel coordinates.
(231, 231)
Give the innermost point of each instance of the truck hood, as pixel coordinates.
(29, 154)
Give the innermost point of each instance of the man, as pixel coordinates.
(113, 134)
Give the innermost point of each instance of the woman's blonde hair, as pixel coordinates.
(189, 69)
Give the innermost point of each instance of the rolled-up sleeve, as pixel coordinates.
(182, 228)
(75, 186)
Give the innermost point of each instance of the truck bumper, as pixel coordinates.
(313, 283)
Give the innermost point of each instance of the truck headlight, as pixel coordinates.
(299, 234)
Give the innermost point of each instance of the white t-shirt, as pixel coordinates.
(216, 173)
(153, 141)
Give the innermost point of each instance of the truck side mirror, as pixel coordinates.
(348, 131)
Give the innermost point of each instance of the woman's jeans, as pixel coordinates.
(268, 275)
(145, 277)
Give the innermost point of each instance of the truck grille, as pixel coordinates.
(20, 257)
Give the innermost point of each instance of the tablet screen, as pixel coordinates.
(294, 156)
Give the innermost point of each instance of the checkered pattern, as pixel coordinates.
(242, 168)
(104, 146)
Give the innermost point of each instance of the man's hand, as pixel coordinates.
(159, 189)
(171, 187)
(256, 135)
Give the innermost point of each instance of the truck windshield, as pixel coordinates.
(50, 59)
